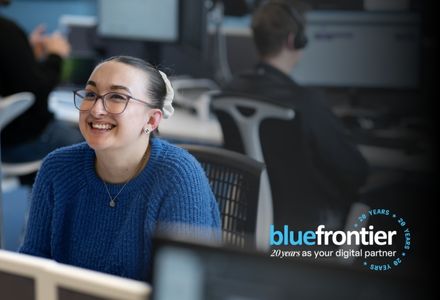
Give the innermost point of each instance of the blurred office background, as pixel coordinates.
(375, 61)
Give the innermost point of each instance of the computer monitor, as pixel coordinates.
(236, 7)
(72, 283)
(361, 49)
(18, 276)
(25, 277)
(80, 31)
(193, 26)
(148, 20)
(76, 70)
(192, 271)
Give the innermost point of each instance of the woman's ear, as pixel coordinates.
(155, 117)
(290, 41)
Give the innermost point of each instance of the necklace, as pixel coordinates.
(112, 202)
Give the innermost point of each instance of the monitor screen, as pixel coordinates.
(189, 271)
(19, 275)
(80, 31)
(193, 25)
(66, 294)
(367, 50)
(148, 20)
(15, 286)
(25, 277)
(76, 70)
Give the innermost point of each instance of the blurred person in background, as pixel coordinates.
(330, 170)
(32, 65)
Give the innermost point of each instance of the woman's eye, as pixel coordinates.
(117, 97)
(90, 95)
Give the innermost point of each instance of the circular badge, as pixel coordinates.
(389, 253)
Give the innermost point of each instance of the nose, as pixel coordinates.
(98, 107)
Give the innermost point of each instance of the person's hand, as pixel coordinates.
(36, 40)
(57, 44)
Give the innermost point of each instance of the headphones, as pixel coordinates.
(301, 40)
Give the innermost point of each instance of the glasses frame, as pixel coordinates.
(76, 94)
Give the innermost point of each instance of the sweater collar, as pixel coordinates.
(275, 74)
(143, 178)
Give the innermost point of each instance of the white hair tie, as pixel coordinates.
(167, 109)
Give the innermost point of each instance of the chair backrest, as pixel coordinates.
(13, 106)
(240, 118)
(10, 108)
(235, 180)
(248, 113)
(271, 132)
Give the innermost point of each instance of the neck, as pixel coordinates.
(283, 61)
(117, 166)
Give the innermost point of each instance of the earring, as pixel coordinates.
(147, 130)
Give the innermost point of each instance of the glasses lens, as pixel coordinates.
(84, 100)
(115, 103)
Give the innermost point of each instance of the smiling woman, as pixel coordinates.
(97, 204)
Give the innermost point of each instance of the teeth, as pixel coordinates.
(102, 126)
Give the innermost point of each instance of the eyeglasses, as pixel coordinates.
(114, 103)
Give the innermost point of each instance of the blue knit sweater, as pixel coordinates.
(71, 221)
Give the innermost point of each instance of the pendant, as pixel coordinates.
(112, 203)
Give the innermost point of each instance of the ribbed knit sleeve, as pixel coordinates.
(59, 179)
(189, 207)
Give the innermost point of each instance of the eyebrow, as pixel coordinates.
(113, 87)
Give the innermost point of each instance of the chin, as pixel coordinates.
(97, 146)
(97, 142)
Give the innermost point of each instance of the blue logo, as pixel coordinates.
(381, 250)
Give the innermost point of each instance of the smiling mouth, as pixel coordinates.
(101, 126)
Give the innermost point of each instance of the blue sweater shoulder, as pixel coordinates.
(66, 166)
(183, 178)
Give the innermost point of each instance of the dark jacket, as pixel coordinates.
(312, 164)
(20, 72)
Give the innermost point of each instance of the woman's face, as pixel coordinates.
(103, 130)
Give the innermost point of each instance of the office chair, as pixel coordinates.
(272, 133)
(192, 93)
(240, 120)
(235, 181)
(11, 107)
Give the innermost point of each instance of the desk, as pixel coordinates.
(186, 127)
(387, 158)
